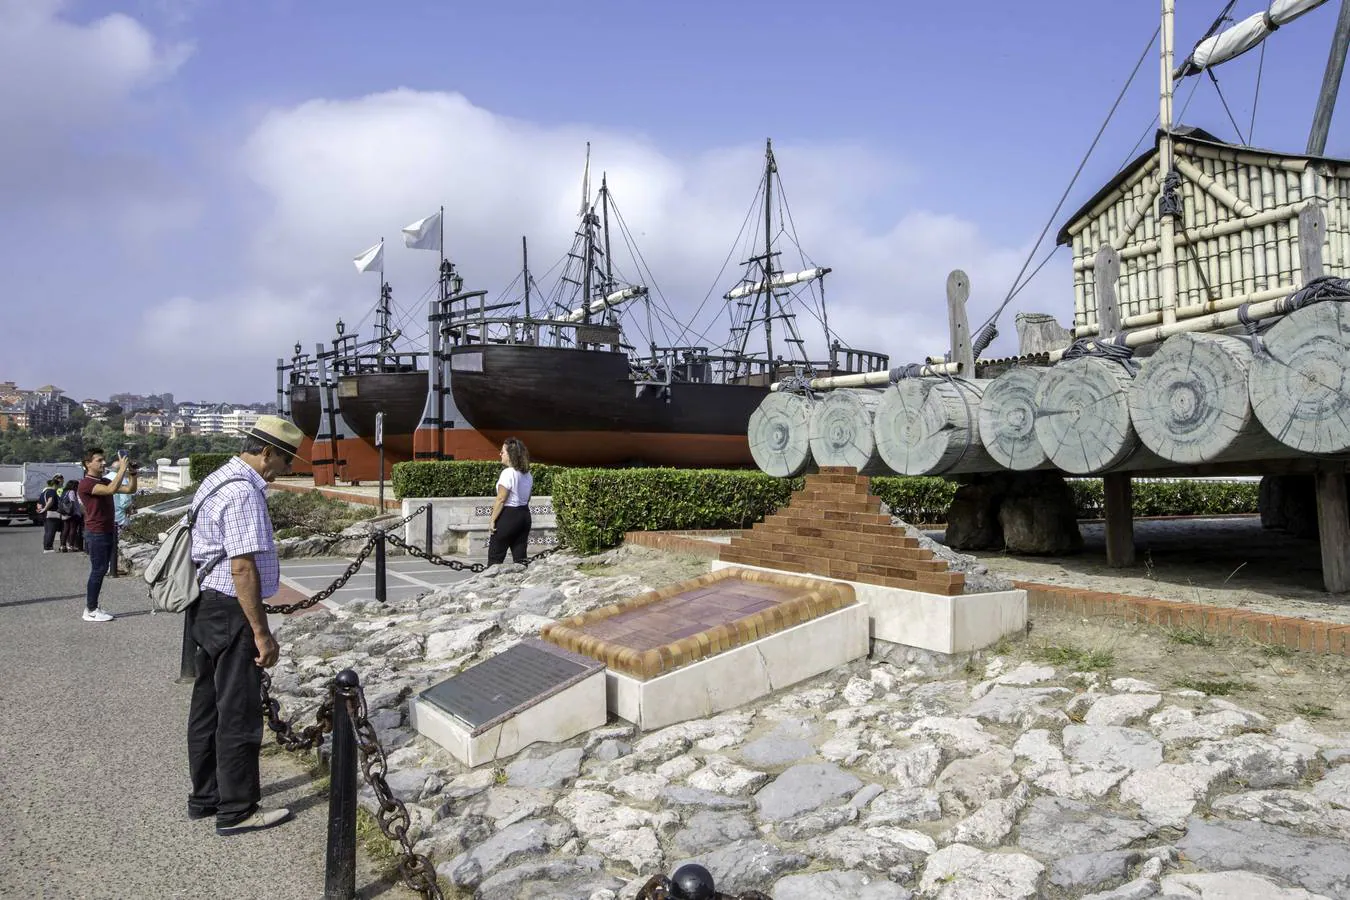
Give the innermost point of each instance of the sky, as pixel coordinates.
(184, 183)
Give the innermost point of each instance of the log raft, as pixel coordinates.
(780, 434)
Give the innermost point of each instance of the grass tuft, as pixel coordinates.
(1082, 660)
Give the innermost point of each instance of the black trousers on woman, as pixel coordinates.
(513, 531)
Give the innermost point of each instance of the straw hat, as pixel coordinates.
(278, 432)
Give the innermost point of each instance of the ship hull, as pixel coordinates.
(579, 407)
(305, 409)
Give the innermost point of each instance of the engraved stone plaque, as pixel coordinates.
(509, 682)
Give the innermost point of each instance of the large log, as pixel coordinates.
(841, 431)
(1083, 416)
(1191, 405)
(780, 434)
(1008, 419)
(1300, 383)
(899, 423)
(940, 436)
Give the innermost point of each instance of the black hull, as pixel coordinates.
(305, 411)
(401, 396)
(579, 407)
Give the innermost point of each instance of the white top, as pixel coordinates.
(518, 486)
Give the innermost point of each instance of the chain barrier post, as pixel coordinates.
(340, 868)
(430, 507)
(381, 589)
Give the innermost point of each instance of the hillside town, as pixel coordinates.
(47, 410)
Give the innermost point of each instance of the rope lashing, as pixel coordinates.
(984, 338)
(1115, 350)
(1170, 203)
(909, 370)
(1326, 287)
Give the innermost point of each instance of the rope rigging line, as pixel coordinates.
(1074, 180)
(1256, 98)
(1218, 90)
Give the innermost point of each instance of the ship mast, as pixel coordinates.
(770, 169)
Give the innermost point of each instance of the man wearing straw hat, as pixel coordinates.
(234, 642)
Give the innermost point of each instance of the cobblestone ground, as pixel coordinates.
(1082, 761)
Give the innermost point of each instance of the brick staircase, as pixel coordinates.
(834, 527)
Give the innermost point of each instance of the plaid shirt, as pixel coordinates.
(235, 520)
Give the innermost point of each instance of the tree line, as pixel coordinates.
(70, 441)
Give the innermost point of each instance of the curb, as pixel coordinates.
(1308, 635)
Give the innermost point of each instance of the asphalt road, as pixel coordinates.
(93, 760)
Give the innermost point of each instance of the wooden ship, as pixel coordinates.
(572, 384)
(1210, 334)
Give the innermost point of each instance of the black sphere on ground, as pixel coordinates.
(693, 882)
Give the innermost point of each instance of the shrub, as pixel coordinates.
(146, 528)
(461, 478)
(202, 464)
(1171, 498)
(918, 500)
(596, 506)
(311, 511)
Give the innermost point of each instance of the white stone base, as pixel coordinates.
(459, 525)
(742, 674)
(933, 621)
(561, 717)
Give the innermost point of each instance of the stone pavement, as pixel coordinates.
(904, 775)
(93, 777)
(406, 577)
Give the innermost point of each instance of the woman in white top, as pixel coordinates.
(511, 511)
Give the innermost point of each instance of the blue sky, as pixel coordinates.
(196, 175)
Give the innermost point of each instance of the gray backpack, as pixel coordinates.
(174, 579)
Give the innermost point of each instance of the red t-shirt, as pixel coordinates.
(98, 511)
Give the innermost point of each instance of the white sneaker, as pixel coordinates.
(97, 615)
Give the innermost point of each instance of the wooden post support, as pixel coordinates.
(958, 292)
(1118, 493)
(1333, 528)
(1312, 228)
(1105, 274)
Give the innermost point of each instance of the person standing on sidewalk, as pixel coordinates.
(228, 624)
(48, 504)
(96, 493)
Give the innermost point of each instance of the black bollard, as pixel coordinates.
(692, 882)
(428, 547)
(340, 880)
(380, 586)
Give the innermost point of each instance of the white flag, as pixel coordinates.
(371, 260)
(424, 234)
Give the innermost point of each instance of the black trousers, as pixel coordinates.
(50, 529)
(513, 531)
(225, 721)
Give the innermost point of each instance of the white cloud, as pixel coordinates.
(69, 88)
(336, 175)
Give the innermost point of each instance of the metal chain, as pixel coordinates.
(310, 737)
(455, 564)
(416, 869)
(328, 591)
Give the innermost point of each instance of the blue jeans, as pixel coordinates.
(100, 550)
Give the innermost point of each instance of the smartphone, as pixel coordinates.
(122, 454)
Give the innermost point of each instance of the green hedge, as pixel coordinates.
(461, 478)
(596, 506)
(1172, 498)
(202, 464)
(920, 499)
